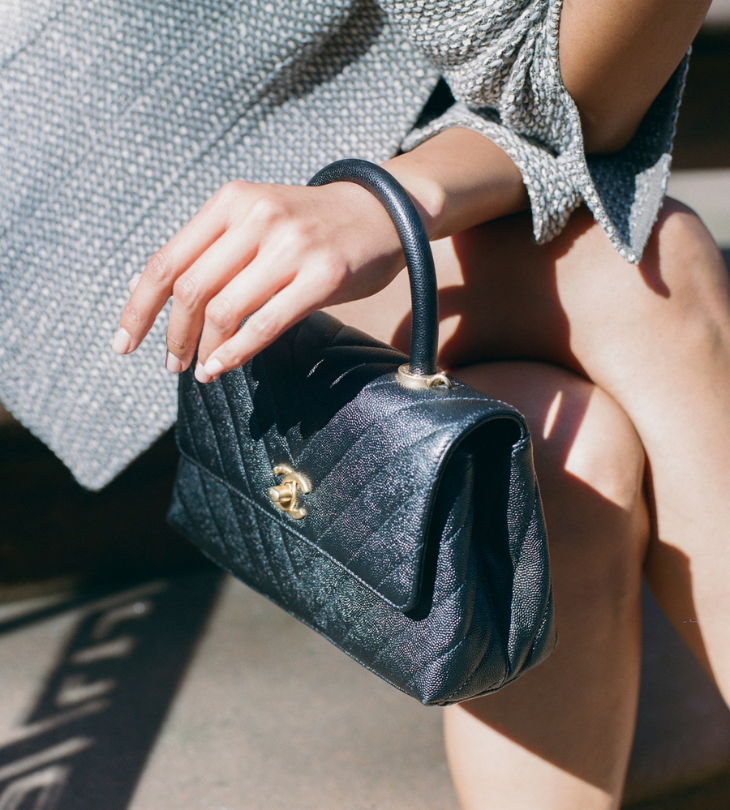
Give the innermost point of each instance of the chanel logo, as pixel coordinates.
(285, 496)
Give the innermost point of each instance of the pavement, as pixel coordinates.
(134, 676)
(194, 692)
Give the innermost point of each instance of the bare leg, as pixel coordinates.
(560, 736)
(660, 345)
(657, 339)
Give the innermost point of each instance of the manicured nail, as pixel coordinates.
(173, 364)
(201, 375)
(122, 342)
(133, 282)
(214, 367)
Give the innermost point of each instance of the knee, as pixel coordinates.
(590, 466)
(583, 440)
(681, 238)
(692, 275)
(623, 319)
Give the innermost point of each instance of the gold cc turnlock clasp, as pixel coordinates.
(285, 496)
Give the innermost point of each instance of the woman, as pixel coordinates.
(622, 369)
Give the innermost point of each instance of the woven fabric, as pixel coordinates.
(119, 118)
(501, 62)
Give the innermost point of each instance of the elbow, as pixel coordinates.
(605, 134)
(609, 118)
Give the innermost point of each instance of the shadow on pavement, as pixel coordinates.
(85, 743)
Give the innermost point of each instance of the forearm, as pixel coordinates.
(615, 57)
(458, 179)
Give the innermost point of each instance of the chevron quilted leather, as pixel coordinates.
(423, 553)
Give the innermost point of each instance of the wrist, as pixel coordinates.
(458, 179)
(428, 194)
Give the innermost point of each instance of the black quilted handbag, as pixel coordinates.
(388, 507)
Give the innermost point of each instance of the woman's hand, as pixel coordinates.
(274, 254)
(271, 253)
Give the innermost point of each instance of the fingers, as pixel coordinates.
(245, 294)
(289, 306)
(306, 247)
(194, 289)
(152, 289)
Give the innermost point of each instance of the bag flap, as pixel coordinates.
(324, 400)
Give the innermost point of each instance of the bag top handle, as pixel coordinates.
(422, 371)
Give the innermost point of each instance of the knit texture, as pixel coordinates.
(119, 118)
(501, 62)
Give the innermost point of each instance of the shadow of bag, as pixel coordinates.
(392, 509)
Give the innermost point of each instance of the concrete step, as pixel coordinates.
(719, 14)
(707, 191)
(192, 691)
(195, 692)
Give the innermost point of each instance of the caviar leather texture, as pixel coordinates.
(423, 551)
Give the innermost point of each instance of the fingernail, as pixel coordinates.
(133, 282)
(214, 367)
(122, 342)
(173, 364)
(201, 375)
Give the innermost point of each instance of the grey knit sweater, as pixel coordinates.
(119, 118)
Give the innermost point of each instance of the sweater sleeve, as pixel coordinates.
(501, 62)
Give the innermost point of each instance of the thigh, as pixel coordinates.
(574, 301)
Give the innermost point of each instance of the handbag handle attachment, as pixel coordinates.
(421, 372)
